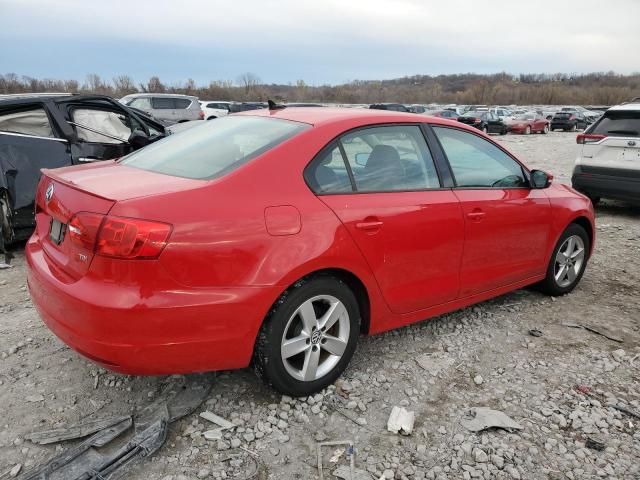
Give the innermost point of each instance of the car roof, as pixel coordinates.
(159, 95)
(363, 116)
(626, 106)
(57, 98)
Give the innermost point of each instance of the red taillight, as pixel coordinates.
(201, 115)
(130, 238)
(118, 237)
(572, 117)
(585, 138)
(83, 229)
(476, 120)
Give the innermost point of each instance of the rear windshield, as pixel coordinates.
(619, 124)
(563, 114)
(214, 148)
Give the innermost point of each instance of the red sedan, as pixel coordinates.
(528, 123)
(276, 237)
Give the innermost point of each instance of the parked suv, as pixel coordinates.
(486, 121)
(569, 121)
(608, 164)
(214, 109)
(168, 108)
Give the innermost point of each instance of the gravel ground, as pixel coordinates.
(480, 356)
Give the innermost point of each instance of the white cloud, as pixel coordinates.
(501, 34)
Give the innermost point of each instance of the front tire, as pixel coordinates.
(309, 336)
(568, 261)
(545, 130)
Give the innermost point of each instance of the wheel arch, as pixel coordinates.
(586, 224)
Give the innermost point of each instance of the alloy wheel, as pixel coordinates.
(569, 261)
(315, 338)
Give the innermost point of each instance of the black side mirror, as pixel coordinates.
(138, 139)
(540, 179)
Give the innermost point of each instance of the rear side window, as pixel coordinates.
(143, 103)
(101, 126)
(30, 122)
(476, 162)
(619, 123)
(163, 103)
(214, 148)
(182, 103)
(377, 159)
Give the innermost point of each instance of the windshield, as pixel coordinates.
(473, 114)
(214, 148)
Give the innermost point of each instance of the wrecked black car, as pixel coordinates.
(50, 131)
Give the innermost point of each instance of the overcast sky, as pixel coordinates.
(319, 41)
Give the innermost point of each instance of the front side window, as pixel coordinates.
(215, 148)
(163, 103)
(101, 126)
(143, 103)
(476, 162)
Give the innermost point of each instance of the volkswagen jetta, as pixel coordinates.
(276, 237)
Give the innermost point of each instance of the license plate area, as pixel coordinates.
(56, 231)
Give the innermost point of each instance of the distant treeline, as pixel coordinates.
(496, 89)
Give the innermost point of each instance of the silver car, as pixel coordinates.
(169, 108)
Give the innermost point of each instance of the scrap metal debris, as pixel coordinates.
(350, 451)
(216, 433)
(477, 419)
(74, 431)
(596, 330)
(400, 421)
(88, 461)
(594, 443)
(534, 332)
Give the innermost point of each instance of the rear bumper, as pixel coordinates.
(148, 330)
(563, 126)
(615, 183)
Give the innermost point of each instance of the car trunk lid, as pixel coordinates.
(71, 202)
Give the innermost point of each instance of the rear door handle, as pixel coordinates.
(476, 215)
(369, 225)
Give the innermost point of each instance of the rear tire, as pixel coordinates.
(527, 131)
(568, 262)
(299, 349)
(545, 130)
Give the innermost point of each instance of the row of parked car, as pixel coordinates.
(502, 120)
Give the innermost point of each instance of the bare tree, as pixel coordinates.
(249, 81)
(124, 85)
(155, 86)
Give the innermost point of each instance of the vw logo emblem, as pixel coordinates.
(315, 337)
(631, 143)
(49, 193)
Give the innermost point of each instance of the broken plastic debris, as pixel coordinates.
(74, 431)
(400, 421)
(477, 419)
(221, 422)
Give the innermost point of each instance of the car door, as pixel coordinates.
(164, 109)
(506, 222)
(28, 143)
(101, 132)
(382, 184)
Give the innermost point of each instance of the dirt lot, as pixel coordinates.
(481, 356)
